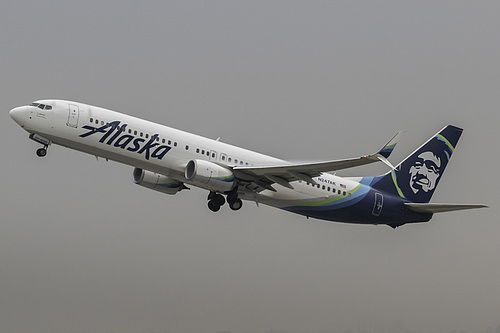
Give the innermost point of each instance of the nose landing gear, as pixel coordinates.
(41, 152)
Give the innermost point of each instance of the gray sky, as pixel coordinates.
(83, 249)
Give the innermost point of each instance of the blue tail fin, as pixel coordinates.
(416, 178)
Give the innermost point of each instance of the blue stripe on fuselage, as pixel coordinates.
(360, 206)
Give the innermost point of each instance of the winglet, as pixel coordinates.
(386, 150)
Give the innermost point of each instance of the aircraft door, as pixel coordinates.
(74, 114)
(379, 202)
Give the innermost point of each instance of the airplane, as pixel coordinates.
(167, 160)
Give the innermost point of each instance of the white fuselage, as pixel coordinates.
(165, 159)
(67, 123)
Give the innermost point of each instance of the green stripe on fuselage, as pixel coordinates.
(329, 200)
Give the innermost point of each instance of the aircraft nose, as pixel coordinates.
(19, 115)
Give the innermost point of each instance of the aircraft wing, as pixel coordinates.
(262, 177)
(439, 207)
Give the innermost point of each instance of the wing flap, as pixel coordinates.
(440, 207)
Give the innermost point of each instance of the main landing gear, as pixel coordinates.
(216, 200)
(234, 202)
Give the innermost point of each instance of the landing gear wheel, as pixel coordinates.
(41, 152)
(219, 199)
(235, 204)
(213, 206)
(215, 201)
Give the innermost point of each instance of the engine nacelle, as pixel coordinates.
(209, 176)
(157, 182)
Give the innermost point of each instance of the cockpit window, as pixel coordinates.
(42, 106)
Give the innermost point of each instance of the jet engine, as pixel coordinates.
(157, 182)
(209, 176)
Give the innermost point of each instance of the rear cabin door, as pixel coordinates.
(74, 114)
(379, 202)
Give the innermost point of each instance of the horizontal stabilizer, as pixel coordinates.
(439, 207)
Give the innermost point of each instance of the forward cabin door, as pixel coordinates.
(74, 114)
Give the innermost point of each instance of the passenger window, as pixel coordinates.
(175, 144)
(97, 122)
(213, 155)
(323, 187)
(91, 120)
(229, 159)
(197, 150)
(141, 134)
(135, 132)
(203, 152)
(163, 140)
(147, 135)
(187, 147)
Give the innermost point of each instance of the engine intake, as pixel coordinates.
(157, 182)
(209, 176)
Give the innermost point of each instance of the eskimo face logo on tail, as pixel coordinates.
(416, 178)
(114, 134)
(424, 173)
(419, 175)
